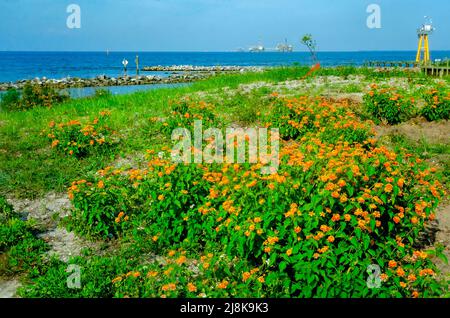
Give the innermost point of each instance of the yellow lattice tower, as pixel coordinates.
(423, 32)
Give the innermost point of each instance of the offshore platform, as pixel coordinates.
(285, 47)
(281, 47)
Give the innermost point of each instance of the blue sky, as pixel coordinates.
(217, 25)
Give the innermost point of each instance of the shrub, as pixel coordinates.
(32, 95)
(10, 99)
(313, 228)
(296, 117)
(80, 140)
(388, 105)
(50, 279)
(437, 104)
(124, 195)
(183, 114)
(215, 276)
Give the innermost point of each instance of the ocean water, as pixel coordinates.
(28, 65)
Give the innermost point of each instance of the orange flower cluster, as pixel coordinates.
(74, 138)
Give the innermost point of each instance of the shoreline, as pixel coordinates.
(180, 74)
(195, 68)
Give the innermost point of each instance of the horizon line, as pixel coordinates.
(202, 51)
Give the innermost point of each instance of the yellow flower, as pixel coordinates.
(341, 183)
(392, 264)
(400, 272)
(388, 188)
(191, 287)
(168, 271)
(168, 287)
(289, 252)
(181, 260)
(152, 274)
(252, 184)
(336, 217)
(117, 279)
(223, 284)
(171, 253)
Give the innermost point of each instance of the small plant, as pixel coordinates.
(10, 99)
(76, 139)
(388, 105)
(437, 104)
(18, 243)
(185, 112)
(102, 93)
(6, 209)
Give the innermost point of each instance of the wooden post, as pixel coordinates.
(137, 65)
